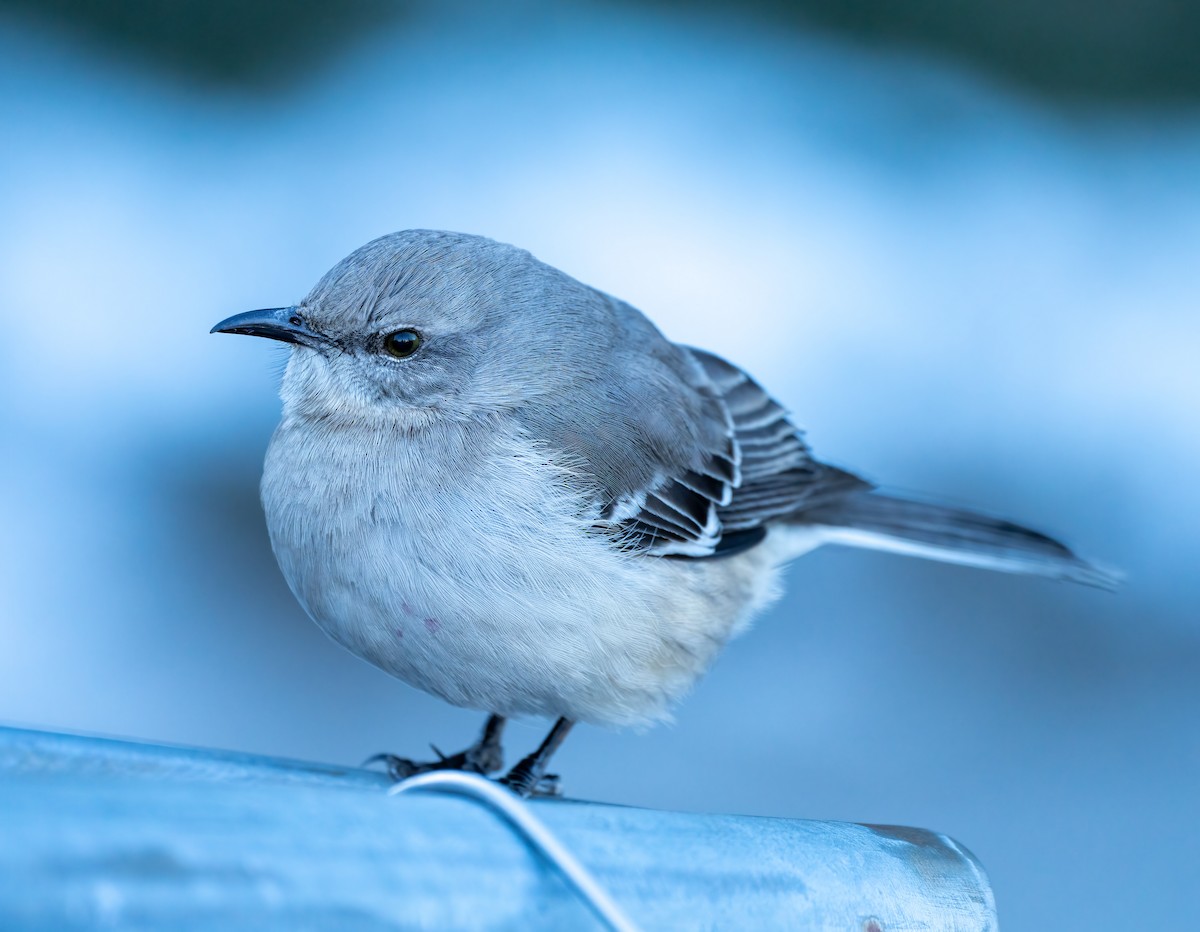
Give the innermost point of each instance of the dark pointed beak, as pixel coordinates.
(275, 323)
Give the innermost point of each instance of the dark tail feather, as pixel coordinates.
(952, 535)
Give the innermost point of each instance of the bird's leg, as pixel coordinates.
(529, 777)
(484, 756)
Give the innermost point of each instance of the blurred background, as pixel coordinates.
(959, 241)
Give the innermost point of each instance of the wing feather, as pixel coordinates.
(762, 470)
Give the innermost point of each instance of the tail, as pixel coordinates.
(952, 535)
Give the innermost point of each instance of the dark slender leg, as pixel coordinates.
(525, 778)
(484, 756)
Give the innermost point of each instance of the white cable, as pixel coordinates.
(521, 817)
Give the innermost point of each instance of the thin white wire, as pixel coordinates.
(521, 817)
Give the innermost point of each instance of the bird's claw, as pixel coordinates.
(481, 758)
(550, 786)
(398, 768)
(530, 785)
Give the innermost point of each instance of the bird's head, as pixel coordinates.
(423, 324)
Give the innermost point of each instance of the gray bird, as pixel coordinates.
(510, 490)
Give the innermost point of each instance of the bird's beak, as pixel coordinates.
(275, 323)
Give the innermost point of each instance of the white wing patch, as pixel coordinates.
(678, 515)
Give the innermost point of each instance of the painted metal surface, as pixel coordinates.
(100, 833)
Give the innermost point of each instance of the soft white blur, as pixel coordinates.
(956, 292)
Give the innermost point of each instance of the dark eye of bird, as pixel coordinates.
(402, 343)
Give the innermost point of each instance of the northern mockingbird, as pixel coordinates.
(510, 490)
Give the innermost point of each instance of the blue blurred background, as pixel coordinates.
(959, 241)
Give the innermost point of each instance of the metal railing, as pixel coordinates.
(102, 833)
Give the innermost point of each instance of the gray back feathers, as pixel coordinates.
(682, 453)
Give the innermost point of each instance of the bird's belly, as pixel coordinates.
(516, 607)
(505, 630)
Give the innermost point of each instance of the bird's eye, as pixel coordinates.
(402, 343)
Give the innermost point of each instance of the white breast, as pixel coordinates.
(462, 561)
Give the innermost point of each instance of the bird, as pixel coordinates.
(509, 489)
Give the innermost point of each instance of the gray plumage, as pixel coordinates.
(549, 508)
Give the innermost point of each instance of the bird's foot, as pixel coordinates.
(483, 757)
(526, 782)
(401, 768)
(529, 777)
